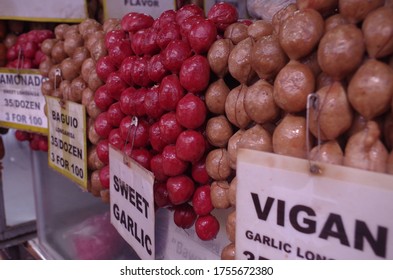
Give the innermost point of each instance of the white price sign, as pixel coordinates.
(132, 203)
(44, 10)
(119, 8)
(22, 103)
(67, 139)
(343, 213)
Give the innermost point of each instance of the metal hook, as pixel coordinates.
(58, 74)
(20, 61)
(134, 122)
(313, 103)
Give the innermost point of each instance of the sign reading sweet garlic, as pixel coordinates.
(132, 203)
(343, 213)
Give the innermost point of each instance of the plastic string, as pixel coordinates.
(21, 59)
(58, 74)
(134, 122)
(313, 103)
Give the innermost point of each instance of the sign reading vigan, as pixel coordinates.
(342, 213)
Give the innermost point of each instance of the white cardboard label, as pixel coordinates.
(119, 8)
(344, 213)
(67, 152)
(44, 10)
(22, 103)
(132, 203)
(177, 243)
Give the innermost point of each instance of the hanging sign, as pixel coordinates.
(342, 213)
(119, 8)
(67, 139)
(44, 10)
(22, 103)
(132, 203)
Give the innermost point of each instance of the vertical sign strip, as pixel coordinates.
(67, 152)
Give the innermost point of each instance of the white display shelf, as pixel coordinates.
(72, 224)
(16, 191)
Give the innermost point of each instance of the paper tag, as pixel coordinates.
(67, 139)
(132, 203)
(183, 244)
(22, 103)
(117, 8)
(44, 10)
(344, 213)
